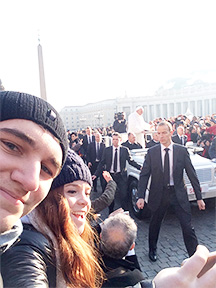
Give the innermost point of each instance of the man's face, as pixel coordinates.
(132, 138)
(115, 141)
(97, 137)
(140, 111)
(88, 131)
(164, 135)
(155, 137)
(30, 159)
(180, 130)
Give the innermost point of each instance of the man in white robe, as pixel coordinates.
(137, 125)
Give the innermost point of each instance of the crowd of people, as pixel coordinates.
(201, 131)
(49, 233)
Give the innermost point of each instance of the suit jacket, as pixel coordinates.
(212, 149)
(85, 143)
(91, 152)
(106, 161)
(122, 273)
(153, 167)
(131, 146)
(151, 143)
(177, 140)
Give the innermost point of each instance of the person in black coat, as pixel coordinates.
(57, 236)
(212, 149)
(120, 123)
(167, 188)
(154, 140)
(114, 161)
(180, 138)
(87, 139)
(118, 234)
(131, 142)
(93, 157)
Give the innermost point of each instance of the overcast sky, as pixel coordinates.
(95, 50)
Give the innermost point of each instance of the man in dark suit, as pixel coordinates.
(131, 142)
(87, 139)
(165, 163)
(180, 138)
(114, 161)
(94, 154)
(212, 149)
(154, 140)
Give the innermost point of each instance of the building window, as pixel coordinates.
(213, 105)
(192, 107)
(158, 112)
(145, 112)
(171, 107)
(185, 107)
(199, 108)
(206, 107)
(151, 112)
(164, 112)
(178, 108)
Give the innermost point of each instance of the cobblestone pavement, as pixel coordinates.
(171, 250)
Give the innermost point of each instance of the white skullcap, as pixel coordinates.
(139, 107)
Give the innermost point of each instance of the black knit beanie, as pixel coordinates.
(16, 105)
(74, 169)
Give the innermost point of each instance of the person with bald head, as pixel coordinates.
(180, 137)
(118, 235)
(131, 143)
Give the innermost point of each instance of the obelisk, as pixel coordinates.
(41, 73)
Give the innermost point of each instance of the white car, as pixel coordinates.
(205, 169)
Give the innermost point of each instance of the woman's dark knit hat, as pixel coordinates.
(16, 105)
(74, 169)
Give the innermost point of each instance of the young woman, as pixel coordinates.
(57, 247)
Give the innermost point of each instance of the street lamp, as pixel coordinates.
(82, 121)
(99, 116)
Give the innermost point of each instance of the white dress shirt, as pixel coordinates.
(118, 160)
(170, 152)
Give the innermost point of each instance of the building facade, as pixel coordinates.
(200, 99)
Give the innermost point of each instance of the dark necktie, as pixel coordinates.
(166, 168)
(182, 140)
(97, 150)
(115, 160)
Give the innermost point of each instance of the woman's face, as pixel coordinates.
(78, 195)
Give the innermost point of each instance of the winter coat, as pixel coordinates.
(29, 263)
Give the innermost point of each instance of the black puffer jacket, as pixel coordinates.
(29, 263)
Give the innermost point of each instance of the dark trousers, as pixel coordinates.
(102, 180)
(121, 190)
(189, 236)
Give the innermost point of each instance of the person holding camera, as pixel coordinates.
(120, 123)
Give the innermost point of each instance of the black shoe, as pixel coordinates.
(153, 256)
